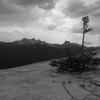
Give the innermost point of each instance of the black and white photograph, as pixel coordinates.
(49, 49)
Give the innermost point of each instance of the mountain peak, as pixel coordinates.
(66, 43)
(26, 41)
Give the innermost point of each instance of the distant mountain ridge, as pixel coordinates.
(33, 41)
(27, 51)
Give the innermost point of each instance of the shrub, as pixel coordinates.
(79, 63)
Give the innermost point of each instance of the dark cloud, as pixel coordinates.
(20, 6)
(78, 8)
(75, 6)
(12, 14)
(18, 12)
(17, 20)
(26, 2)
(8, 8)
(44, 4)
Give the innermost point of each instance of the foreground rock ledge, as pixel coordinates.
(41, 82)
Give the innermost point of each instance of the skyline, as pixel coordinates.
(53, 21)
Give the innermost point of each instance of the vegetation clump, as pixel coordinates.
(79, 63)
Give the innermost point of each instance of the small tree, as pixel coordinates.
(86, 29)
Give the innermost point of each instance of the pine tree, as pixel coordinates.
(86, 29)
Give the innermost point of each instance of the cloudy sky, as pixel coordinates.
(53, 21)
